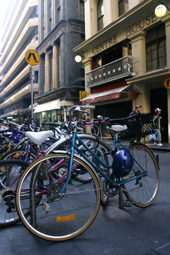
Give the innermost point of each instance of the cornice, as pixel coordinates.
(52, 37)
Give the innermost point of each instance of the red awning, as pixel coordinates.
(104, 96)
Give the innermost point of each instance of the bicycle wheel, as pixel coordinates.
(12, 170)
(51, 214)
(144, 190)
(99, 147)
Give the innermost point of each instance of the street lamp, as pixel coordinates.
(161, 9)
(78, 58)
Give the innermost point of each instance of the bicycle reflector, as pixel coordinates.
(122, 163)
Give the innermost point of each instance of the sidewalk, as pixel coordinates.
(165, 147)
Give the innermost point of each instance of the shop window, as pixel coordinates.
(156, 48)
(123, 6)
(100, 14)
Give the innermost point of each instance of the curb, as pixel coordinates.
(152, 147)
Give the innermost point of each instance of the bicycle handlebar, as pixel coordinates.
(79, 108)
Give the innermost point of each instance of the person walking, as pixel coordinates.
(136, 111)
(157, 122)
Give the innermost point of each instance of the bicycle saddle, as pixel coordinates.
(118, 128)
(39, 137)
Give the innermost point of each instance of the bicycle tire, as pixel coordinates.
(8, 212)
(57, 217)
(143, 191)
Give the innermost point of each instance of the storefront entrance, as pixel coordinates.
(116, 110)
(158, 98)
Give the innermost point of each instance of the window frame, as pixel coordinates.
(156, 56)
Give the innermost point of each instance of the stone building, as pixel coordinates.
(60, 29)
(126, 56)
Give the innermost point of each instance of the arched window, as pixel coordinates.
(100, 14)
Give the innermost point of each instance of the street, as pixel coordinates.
(131, 231)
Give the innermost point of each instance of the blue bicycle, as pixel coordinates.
(56, 207)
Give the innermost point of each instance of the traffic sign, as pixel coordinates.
(32, 57)
(167, 83)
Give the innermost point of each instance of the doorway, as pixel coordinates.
(158, 99)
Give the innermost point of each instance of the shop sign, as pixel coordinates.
(82, 94)
(167, 83)
(103, 98)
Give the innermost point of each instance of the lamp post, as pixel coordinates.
(161, 10)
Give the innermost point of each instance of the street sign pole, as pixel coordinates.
(32, 94)
(32, 57)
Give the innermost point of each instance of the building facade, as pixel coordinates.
(126, 56)
(61, 28)
(20, 35)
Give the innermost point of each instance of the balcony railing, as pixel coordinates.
(115, 70)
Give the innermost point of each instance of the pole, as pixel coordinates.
(32, 80)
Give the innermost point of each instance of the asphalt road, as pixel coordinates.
(132, 231)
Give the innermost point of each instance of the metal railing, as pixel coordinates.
(115, 70)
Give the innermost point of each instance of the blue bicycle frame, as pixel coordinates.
(74, 148)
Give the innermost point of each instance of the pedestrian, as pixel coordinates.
(136, 111)
(135, 124)
(157, 122)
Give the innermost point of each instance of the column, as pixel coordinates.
(47, 16)
(139, 68)
(87, 68)
(41, 76)
(168, 100)
(166, 20)
(143, 98)
(40, 15)
(54, 67)
(47, 72)
(90, 18)
(138, 53)
(111, 11)
(54, 13)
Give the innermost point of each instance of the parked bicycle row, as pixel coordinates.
(55, 180)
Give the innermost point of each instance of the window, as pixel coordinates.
(123, 6)
(156, 48)
(100, 14)
(59, 11)
(81, 9)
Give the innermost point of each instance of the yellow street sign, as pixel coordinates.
(167, 83)
(32, 57)
(82, 94)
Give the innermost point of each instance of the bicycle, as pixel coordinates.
(57, 208)
(30, 152)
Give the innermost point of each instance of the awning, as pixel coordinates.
(105, 95)
(52, 105)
